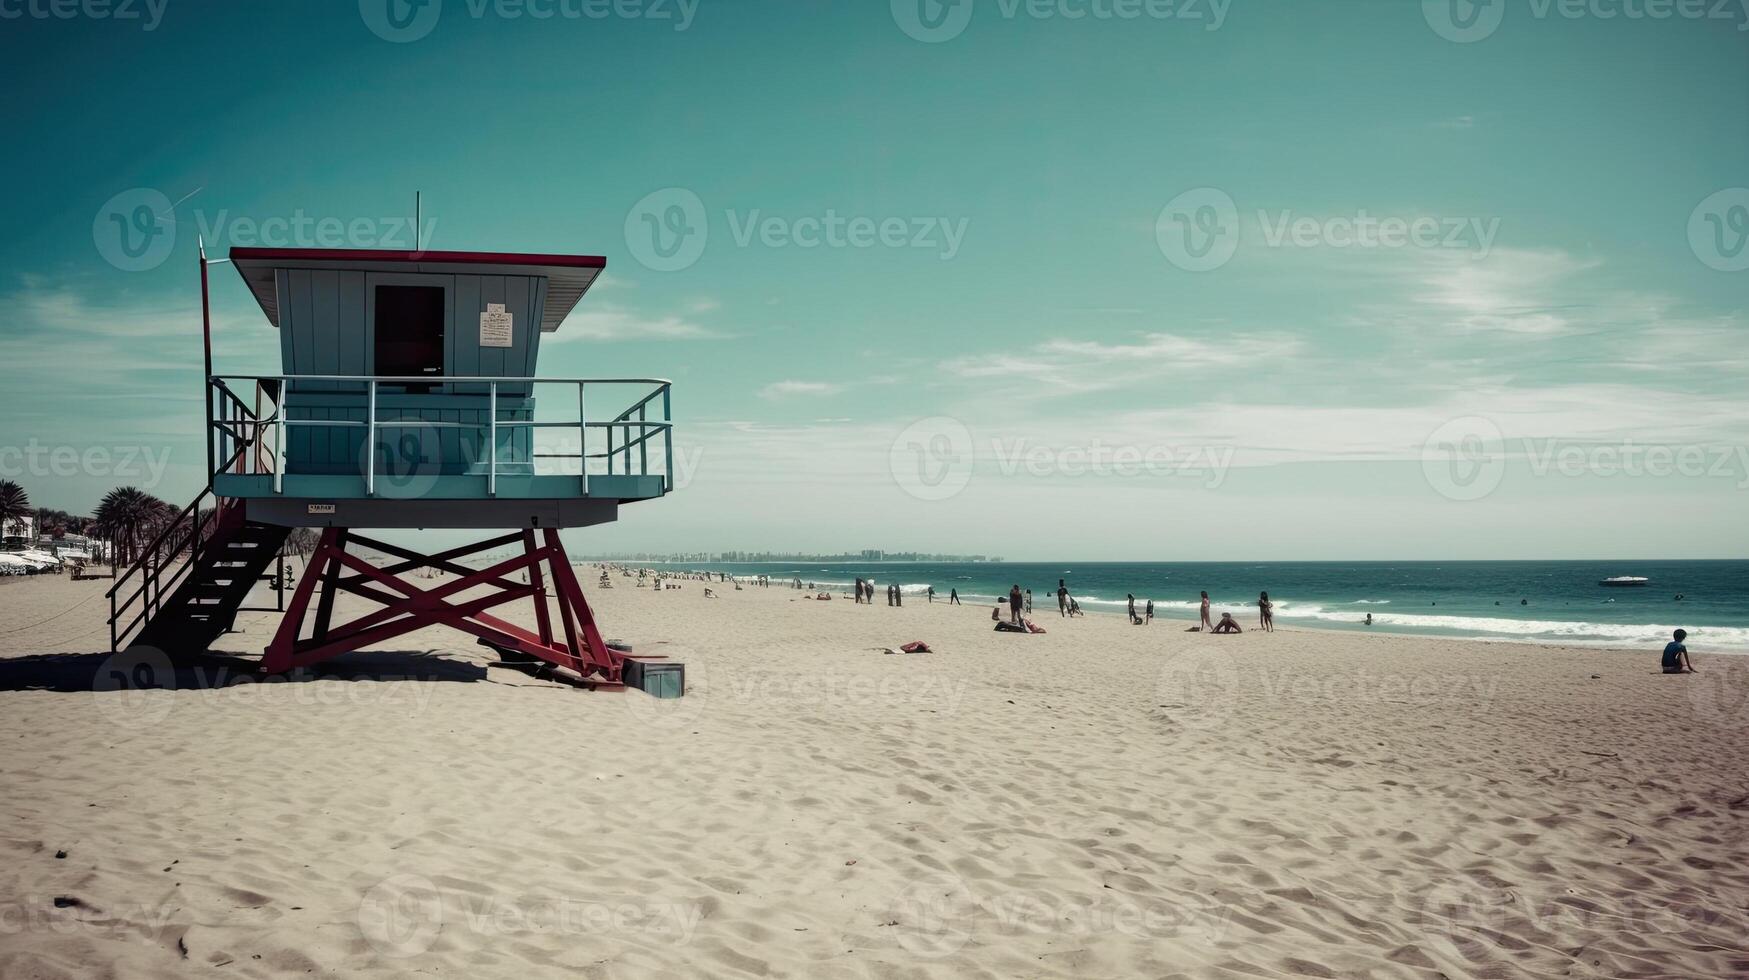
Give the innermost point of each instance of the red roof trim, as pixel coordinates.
(386, 255)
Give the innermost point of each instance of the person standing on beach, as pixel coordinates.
(859, 591)
(932, 595)
(1062, 598)
(1014, 601)
(1029, 602)
(898, 596)
(1149, 615)
(1265, 613)
(1132, 598)
(1206, 625)
(953, 597)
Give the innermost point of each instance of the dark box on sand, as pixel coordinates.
(657, 678)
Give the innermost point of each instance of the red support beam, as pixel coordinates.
(406, 607)
(540, 598)
(278, 655)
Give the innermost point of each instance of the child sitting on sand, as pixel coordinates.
(1226, 625)
(1676, 655)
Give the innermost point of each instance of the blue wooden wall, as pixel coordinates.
(327, 327)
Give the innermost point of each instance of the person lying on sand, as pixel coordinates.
(1676, 655)
(708, 594)
(1226, 625)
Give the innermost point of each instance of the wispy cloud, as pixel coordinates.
(1067, 366)
(1512, 290)
(788, 389)
(609, 322)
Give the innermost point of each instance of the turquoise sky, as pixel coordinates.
(1065, 236)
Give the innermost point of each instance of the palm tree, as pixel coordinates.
(14, 502)
(131, 518)
(302, 541)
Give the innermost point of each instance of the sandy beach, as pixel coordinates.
(1099, 801)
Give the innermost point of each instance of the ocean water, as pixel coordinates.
(1537, 601)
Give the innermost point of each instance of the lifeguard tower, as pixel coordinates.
(407, 398)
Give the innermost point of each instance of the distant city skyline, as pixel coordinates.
(765, 557)
(1249, 281)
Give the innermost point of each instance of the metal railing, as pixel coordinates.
(160, 568)
(235, 428)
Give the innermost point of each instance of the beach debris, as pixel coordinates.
(68, 902)
(60, 855)
(850, 862)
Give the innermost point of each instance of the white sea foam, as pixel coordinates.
(1546, 630)
(1724, 638)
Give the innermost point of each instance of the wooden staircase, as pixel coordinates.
(185, 589)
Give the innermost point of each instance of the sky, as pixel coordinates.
(1091, 279)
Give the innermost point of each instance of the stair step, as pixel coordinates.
(229, 563)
